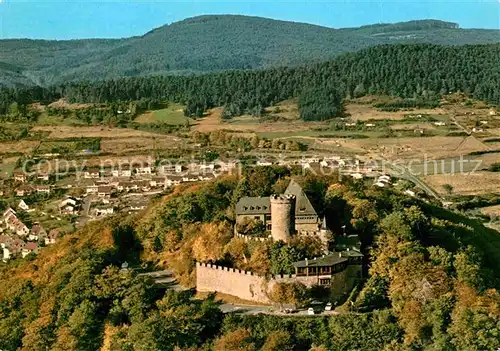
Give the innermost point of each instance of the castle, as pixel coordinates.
(286, 216)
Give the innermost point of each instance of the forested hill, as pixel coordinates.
(211, 43)
(419, 72)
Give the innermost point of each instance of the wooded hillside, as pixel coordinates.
(214, 43)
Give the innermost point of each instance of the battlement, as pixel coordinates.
(252, 238)
(282, 198)
(242, 272)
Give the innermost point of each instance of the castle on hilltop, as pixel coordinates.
(285, 215)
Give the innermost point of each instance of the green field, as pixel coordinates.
(173, 114)
(45, 119)
(322, 134)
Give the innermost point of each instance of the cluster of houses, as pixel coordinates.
(16, 239)
(147, 178)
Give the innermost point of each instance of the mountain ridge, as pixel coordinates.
(212, 43)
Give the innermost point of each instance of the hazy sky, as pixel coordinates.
(67, 19)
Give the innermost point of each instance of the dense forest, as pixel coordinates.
(431, 277)
(212, 43)
(421, 72)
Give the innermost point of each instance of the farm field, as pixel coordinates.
(140, 143)
(492, 211)
(21, 146)
(63, 132)
(477, 183)
(173, 114)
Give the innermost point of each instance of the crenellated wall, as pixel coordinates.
(253, 287)
(243, 284)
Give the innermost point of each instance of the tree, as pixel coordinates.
(320, 104)
(236, 340)
(209, 245)
(448, 188)
(278, 341)
(288, 293)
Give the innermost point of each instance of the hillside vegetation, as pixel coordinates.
(432, 273)
(211, 43)
(419, 74)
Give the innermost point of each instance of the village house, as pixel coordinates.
(144, 170)
(137, 207)
(210, 167)
(23, 206)
(52, 237)
(190, 178)
(5, 241)
(15, 248)
(30, 247)
(227, 166)
(43, 189)
(172, 181)
(92, 189)
(69, 205)
(265, 162)
(207, 177)
(37, 233)
(104, 191)
(43, 176)
(127, 186)
(7, 214)
(20, 177)
(104, 211)
(24, 190)
(14, 224)
(92, 174)
(122, 171)
(171, 169)
(157, 182)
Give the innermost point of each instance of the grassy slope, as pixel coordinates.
(173, 114)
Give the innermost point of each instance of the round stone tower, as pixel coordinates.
(282, 217)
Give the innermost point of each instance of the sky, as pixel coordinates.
(69, 19)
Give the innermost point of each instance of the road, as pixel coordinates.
(271, 310)
(406, 173)
(164, 278)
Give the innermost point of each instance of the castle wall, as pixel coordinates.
(252, 287)
(242, 284)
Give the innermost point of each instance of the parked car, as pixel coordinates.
(328, 306)
(289, 310)
(310, 310)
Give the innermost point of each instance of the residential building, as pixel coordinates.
(52, 237)
(143, 170)
(104, 191)
(43, 189)
(122, 171)
(20, 177)
(24, 190)
(37, 232)
(43, 176)
(23, 206)
(92, 174)
(92, 189)
(30, 247)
